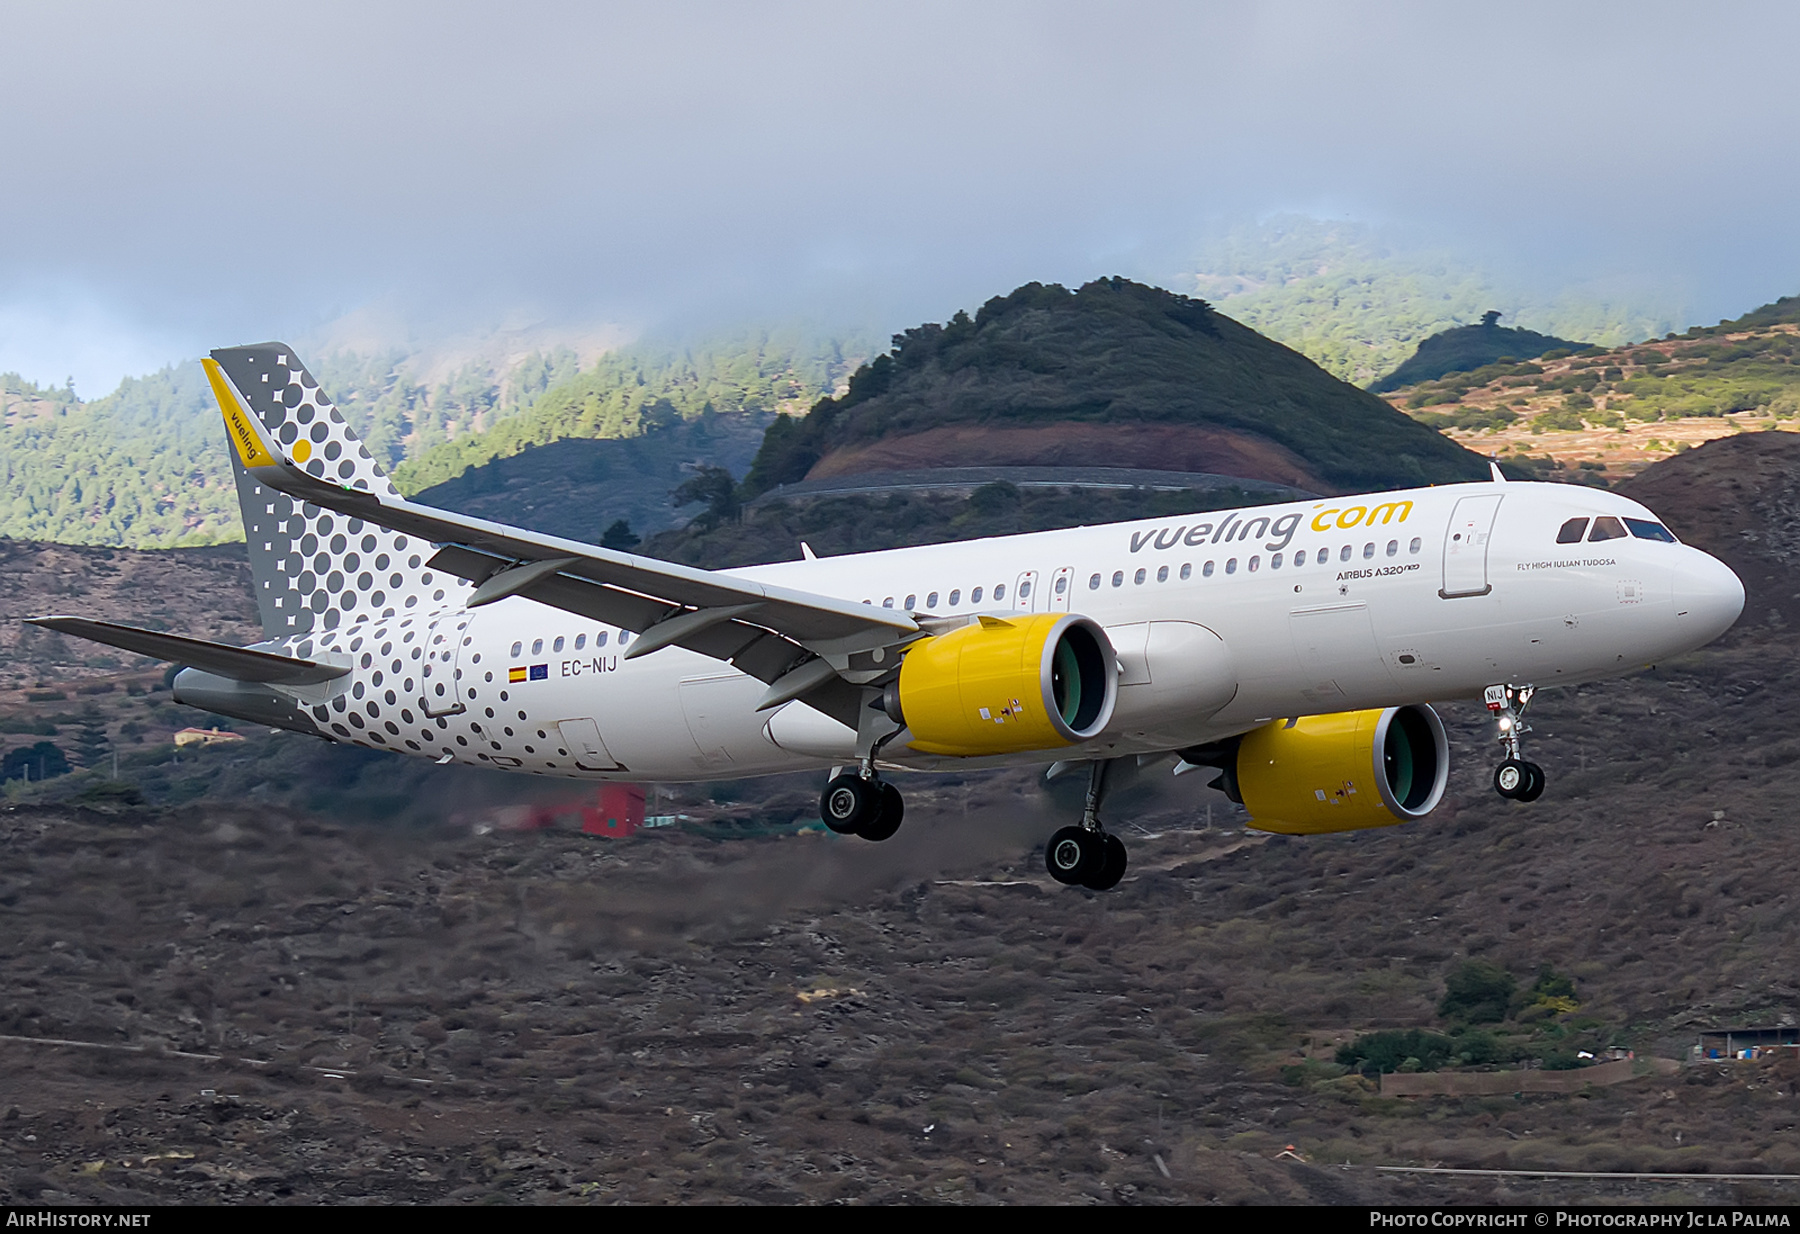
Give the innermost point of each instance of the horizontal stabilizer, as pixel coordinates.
(222, 659)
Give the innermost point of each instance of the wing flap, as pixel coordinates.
(221, 659)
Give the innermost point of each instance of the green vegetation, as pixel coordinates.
(1748, 365)
(1464, 349)
(1113, 352)
(146, 467)
(641, 388)
(1340, 296)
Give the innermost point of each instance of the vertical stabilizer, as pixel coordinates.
(314, 570)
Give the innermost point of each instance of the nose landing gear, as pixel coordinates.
(1515, 779)
(1085, 855)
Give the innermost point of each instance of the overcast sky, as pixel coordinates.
(182, 176)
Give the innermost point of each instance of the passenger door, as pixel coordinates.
(1060, 587)
(1466, 546)
(440, 678)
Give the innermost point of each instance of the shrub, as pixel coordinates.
(1395, 1049)
(1478, 992)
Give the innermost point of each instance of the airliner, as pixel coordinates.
(1292, 649)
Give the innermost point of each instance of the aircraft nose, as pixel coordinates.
(1708, 598)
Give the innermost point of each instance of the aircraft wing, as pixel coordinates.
(237, 663)
(761, 629)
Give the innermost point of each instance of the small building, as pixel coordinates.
(204, 737)
(618, 812)
(1747, 1043)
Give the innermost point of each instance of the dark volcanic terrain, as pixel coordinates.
(227, 994)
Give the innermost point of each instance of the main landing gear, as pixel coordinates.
(855, 804)
(1085, 855)
(1515, 779)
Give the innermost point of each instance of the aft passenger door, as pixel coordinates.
(440, 678)
(1466, 546)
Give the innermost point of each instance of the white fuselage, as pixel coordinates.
(1220, 621)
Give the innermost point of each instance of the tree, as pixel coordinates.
(713, 486)
(619, 535)
(1478, 992)
(34, 762)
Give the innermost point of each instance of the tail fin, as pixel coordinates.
(313, 570)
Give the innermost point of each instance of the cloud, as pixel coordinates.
(216, 173)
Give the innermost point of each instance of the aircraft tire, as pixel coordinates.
(848, 803)
(1112, 866)
(1511, 779)
(887, 821)
(1073, 855)
(1534, 783)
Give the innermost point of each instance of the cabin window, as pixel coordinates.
(600, 639)
(1025, 589)
(518, 650)
(624, 637)
(1393, 548)
(888, 603)
(1414, 546)
(1255, 564)
(1094, 583)
(1606, 527)
(955, 597)
(1187, 571)
(1162, 574)
(1231, 565)
(580, 641)
(1571, 531)
(975, 596)
(1644, 529)
(1118, 578)
(537, 646)
(931, 600)
(999, 593)
(1369, 550)
(1138, 578)
(1275, 562)
(1344, 553)
(558, 644)
(1062, 584)
(1207, 570)
(910, 601)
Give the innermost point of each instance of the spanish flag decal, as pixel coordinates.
(514, 675)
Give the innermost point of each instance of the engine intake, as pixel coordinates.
(1000, 685)
(1345, 771)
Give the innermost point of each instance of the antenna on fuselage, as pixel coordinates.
(1499, 476)
(806, 551)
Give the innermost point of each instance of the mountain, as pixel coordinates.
(1115, 374)
(146, 465)
(1613, 412)
(1463, 349)
(1345, 296)
(578, 487)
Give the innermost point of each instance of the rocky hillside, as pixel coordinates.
(1611, 413)
(1115, 374)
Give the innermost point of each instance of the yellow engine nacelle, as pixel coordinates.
(1002, 685)
(1345, 771)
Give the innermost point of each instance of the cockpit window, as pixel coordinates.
(1644, 529)
(1572, 531)
(1606, 527)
